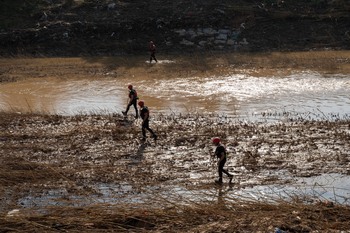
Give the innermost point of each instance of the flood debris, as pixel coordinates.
(92, 173)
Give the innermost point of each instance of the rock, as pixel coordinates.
(209, 31)
(222, 36)
(13, 213)
(220, 42)
(186, 42)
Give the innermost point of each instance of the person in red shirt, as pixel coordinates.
(221, 154)
(144, 114)
(132, 101)
(152, 49)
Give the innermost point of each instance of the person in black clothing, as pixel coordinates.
(220, 153)
(152, 49)
(144, 113)
(132, 101)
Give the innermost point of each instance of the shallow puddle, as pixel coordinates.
(309, 93)
(323, 188)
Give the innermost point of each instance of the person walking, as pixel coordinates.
(221, 154)
(132, 101)
(152, 49)
(144, 114)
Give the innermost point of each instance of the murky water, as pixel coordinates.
(307, 93)
(326, 187)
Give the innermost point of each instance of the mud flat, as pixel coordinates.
(91, 173)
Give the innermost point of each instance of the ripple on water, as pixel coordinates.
(234, 95)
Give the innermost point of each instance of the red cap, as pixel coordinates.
(141, 103)
(216, 140)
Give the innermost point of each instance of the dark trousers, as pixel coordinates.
(153, 56)
(145, 125)
(222, 170)
(135, 106)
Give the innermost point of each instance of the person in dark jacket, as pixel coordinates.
(132, 101)
(144, 114)
(152, 49)
(221, 155)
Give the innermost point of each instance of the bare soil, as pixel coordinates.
(67, 159)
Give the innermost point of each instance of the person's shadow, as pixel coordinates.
(138, 156)
(222, 193)
(140, 150)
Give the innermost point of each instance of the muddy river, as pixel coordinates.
(307, 94)
(240, 95)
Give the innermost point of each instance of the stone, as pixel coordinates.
(186, 42)
(222, 36)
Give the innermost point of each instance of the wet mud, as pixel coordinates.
(69, 161)
(92, 173)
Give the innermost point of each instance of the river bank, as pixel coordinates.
(111, 28)
(196, 64)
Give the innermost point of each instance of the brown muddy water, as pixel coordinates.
(308, 93)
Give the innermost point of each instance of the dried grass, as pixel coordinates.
(73, 155)
(210, 217)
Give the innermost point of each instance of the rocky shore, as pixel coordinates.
(110, 28)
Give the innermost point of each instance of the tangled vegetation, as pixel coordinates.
(91, 173)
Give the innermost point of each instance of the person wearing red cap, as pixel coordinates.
(221, 154)
(132, 101)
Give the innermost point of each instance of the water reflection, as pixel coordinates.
(326, 187)
(235, 95)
